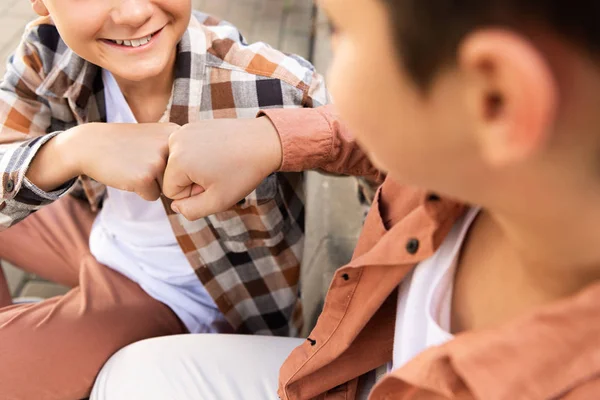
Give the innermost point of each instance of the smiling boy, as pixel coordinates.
(87, 106)
(477, 273)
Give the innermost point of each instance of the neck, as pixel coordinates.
(148, 98)
(513, 262)
(559, 250)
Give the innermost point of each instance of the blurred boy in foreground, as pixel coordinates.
(491, 295)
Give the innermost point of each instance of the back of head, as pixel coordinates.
(486, 101)
(428, 32)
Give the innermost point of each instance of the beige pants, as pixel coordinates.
(54, 349)
(201, 367)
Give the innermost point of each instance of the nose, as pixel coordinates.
(134, 13)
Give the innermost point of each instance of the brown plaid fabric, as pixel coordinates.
(248, 258)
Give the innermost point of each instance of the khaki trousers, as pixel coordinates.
(55, 349)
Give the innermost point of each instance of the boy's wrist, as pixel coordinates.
(68, 149)
(272, 143)
(54, 163)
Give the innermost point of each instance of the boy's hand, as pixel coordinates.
(129, 157)
(215, 164)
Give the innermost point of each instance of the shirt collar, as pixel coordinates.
(405, 226)
(76, 80)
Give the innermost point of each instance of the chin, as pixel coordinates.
(139, 73)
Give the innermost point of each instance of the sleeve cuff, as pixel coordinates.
(29, 191)
(306, 138)
(14, 183)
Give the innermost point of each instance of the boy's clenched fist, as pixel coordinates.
(214, 164)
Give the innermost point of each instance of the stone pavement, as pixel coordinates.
(333, 213)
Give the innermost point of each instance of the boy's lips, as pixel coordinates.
(133, 44)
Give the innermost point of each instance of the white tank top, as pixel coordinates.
(425, 297)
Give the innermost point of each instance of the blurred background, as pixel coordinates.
(334, 215)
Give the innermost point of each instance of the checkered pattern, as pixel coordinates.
(248, 257)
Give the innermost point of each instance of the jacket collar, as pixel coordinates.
(410, 239)
(557, 346)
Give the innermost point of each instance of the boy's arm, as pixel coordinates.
(38, 168)
(24, 120)
(316, 139)
(213, 164)
(292, 140)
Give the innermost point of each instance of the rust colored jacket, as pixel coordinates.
(551, 353)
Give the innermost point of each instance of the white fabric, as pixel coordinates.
(425, 298)
(134, 237)
(196, 367)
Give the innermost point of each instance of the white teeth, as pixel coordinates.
(134, 42)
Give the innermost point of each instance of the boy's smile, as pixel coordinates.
(133, 39)
(142, 42)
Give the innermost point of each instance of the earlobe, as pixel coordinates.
(511, 95)
(40, 8)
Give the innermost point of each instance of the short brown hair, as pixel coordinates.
(428, 32)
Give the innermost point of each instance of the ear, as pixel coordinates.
(511, 94)
(40, 8)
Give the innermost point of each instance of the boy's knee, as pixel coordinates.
(131, 373)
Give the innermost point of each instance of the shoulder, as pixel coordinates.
(47, 62)
(227, 48)
(41, 45)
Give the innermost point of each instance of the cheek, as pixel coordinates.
(347, 77)
(361, 96)
(179, 10)
(78, 25)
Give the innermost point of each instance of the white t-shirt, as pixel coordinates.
(134, 237)
(425, 297)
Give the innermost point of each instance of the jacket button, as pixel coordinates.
(345, 277)
(9, 186)
(433, 197)
(412, 246)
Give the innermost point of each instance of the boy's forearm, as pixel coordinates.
(316, 139)
(56, 162)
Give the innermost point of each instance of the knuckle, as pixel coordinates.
(168, 191)
(157, 166)
(189, 213)
(185, 211)
(146, 178)
(145, 196)
(174, 138)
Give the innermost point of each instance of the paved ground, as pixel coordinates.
(333, 215)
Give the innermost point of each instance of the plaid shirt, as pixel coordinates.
(248, 257)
